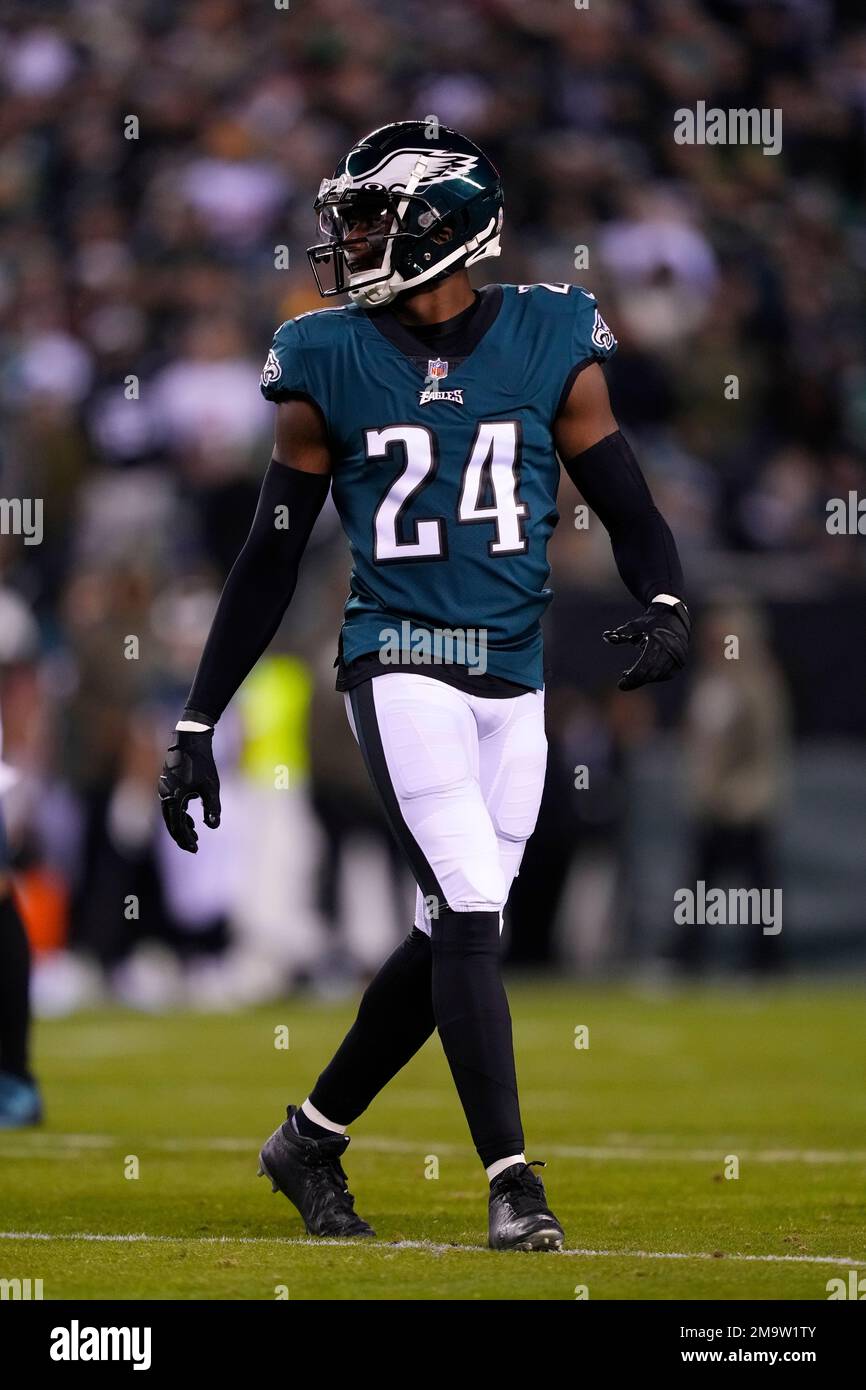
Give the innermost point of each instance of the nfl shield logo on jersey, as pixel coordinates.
(436, 370)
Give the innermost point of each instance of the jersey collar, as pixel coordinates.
(486, 310)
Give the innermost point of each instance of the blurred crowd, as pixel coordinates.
(158, 163)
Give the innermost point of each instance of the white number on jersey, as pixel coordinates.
(495, 443)
(493, 459)
(559, 288)
(418, 443)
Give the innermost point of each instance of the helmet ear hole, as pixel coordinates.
(442, 235)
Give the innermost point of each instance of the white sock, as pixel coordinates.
(319, 1119)
(502, 1163)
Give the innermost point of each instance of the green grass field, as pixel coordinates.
(635, 1128)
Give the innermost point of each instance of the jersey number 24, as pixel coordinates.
(493, 463)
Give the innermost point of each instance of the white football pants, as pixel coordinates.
(460, 778)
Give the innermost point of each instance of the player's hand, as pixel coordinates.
(663, 637)
(189, 771)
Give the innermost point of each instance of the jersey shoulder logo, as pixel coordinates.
(272, 370)
(602, 337)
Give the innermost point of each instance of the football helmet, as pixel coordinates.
(405, 208)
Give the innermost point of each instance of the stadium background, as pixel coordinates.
(138, 294)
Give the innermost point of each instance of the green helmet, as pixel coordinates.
(405, 208)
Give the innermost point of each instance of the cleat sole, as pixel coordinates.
(539, 1240)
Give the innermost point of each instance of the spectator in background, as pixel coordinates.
(737, 748)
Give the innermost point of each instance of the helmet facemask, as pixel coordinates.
(367, 233)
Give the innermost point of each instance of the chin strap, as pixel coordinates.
(490, 248)
(375, 295)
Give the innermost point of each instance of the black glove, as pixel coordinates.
(189, 771)
(663, 637)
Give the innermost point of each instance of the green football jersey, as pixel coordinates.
(444, 469)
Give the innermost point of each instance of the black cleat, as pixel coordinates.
(309, 1173)
(520, 1218)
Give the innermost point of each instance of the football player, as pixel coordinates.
(438, 415)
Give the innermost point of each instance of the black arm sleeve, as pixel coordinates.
(259, 587)
(609, 478)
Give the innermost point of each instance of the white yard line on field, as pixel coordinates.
(45, 1145)
(429, 1246)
